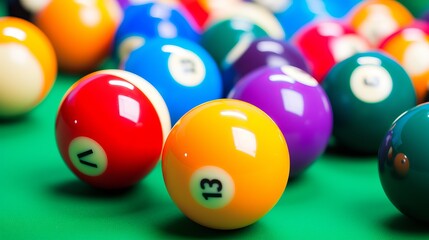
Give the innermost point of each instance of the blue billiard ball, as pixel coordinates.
(294, 14)
(182, 71)
(151, 20)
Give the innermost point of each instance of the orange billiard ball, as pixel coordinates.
(80, 31)
(225, 164)
(28, 66)
(410, 47)
(377, 19)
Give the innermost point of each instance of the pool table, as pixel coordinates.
(338, 197)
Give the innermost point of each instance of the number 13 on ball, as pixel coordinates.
(225, 164)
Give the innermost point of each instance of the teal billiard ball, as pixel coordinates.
(367, 92)
(404, 163)
(227, 40)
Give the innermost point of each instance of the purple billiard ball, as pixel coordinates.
(264, 51)
(299, 106)
(426, 16)
(124, 3)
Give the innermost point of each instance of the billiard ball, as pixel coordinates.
(203, 10)
(80, 31)
(339, 9)
(367, 92)
(226, 40)
(404, 163)
(181, 70)
(416, 7)
(265, 51)
(152, 20)
(28, 66)
(297, 104)
(410, 47)
(335, 40)
(293, 15)
(225, 164)
(377, 19)
(110, 128)
(198, 9)
(25, 9)
(252, 11)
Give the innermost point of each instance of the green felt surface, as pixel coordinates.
(339, 197)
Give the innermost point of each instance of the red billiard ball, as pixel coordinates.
(325, 43)
(111, 127)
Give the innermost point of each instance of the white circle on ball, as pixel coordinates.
(299, 75)
(212, 187)
(21, 79)
(416, 58)
(88, 156)
(185, 67)
(371, 83)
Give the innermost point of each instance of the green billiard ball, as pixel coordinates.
(404, 163)
(230, 37)
(226, 40)
(416, 7)
(367, 92)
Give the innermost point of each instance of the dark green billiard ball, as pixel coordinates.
(367, 92)
(227, 39)
(223, 36)
(404, 163)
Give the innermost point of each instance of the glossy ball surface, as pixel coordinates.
(227, 39)
(404, 163)
(367, 92)
(80, 31)
(293, 15)
(182, 71)
(199, 10)
(298, 105)
(263, 52)
(110, 128)
(417, 7)
(254, 13)
(219, 155)
(203, 10)
(410, 47)
(325, 43)
(28, 66)
(146, 21)
(377, 19)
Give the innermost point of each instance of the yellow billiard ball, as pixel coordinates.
(28, 66)
(225, 164)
